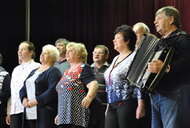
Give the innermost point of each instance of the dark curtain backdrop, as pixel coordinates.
(12, 30)
(91, 22)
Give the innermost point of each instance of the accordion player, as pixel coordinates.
(151, 48)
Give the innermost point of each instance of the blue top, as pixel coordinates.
(117, 85)
(71, 90)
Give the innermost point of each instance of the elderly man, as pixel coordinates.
(170, 100)
(140, 29)
(62, 64)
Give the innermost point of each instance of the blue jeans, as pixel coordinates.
(166, 108)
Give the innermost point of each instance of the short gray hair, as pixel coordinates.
(171, 11)
(143, 25)
(62, 40)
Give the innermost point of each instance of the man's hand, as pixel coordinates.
(155, 66)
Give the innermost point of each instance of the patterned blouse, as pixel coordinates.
(116, 84)
(71, 90)
(17, 80)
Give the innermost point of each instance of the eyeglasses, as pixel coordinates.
(98, 53)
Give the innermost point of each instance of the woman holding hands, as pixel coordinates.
(38, 95)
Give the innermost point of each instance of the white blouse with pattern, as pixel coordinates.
(19, 75)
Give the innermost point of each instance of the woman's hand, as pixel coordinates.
(87, 101)
(92, 89)
(56, 120)
(8, 119)
(32, 103)
(25, 103)
(140, 112)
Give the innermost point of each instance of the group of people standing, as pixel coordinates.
(64, 91)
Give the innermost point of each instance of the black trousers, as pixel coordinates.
(3, 122)
(122, 115)
(16, 120)
(30, 124)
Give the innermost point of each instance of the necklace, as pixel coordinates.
(115, 65)
(120, 59)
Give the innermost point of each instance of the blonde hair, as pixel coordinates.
(80, 49)
(53, 52)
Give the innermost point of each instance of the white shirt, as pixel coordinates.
(31, 113)
(19, 75)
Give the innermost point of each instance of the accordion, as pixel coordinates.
(151, 48)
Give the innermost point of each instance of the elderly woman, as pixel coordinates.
(125, 102)
(38, 95)
(76, 89)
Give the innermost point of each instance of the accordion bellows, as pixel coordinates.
(150, 48)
